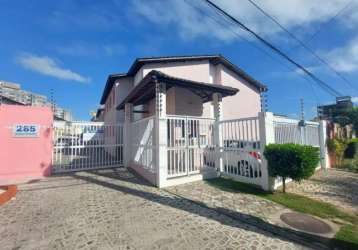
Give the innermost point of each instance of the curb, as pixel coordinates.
(10, 192)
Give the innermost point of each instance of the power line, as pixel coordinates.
(309, 80)
(302, 44)
(234, 32)
(321, 83)
(329, 21)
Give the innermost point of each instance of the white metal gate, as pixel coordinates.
(241, 149)
(86, 145)
(190, 145)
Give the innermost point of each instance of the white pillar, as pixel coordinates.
(323, 145)
(161, 134)
(267, 136)
(127, 143)
(218, 142)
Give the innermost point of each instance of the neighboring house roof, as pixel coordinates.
(145, 90)
(214, 59)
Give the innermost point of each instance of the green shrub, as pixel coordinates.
(352, 149)
(293, 161)
(337, 147)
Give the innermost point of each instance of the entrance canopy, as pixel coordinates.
(145, 90)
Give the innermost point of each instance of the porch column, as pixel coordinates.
(161, 133)
(322, 144)
(217, 107)
(267, 136)
(127, 143)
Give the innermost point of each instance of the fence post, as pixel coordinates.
(267, 136)
(127, 143)
(322, 144)
(218, 140)
(161, 134)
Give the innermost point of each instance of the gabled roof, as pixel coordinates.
(214, 59)
(109, 84)
(145, 89)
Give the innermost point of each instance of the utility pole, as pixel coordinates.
(0, 93)
(302, 109)
(52, 100)
(263, 102)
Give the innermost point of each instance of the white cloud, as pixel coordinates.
(48, 66)
(292, 14)
(91, 50)
(345, 59)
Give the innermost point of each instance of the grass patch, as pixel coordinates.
(345, 238)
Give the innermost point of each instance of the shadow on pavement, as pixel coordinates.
(250, 222)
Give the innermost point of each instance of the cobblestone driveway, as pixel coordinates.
(337, 187)
(114, 210)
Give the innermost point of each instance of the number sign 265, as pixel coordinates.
(26, 130)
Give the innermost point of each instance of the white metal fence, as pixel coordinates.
(143, 144)
(290, 131)
(241, 149)
(189, 145)
(86, 145)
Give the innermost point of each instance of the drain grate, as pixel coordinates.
(306, 223)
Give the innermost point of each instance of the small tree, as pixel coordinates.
(293, 161)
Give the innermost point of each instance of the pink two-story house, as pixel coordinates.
(182, 100)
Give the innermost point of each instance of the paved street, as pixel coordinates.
(115, 210)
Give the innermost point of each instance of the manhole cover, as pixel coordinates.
(306, 223)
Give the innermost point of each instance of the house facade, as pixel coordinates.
(213, 69)
(170, 109)
(179, 119)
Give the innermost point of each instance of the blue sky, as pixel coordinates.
(72, 46)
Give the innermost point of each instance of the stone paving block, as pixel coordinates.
(114, 209)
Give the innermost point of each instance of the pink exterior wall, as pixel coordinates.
(196, 71)
(25, 158)
(246, 103)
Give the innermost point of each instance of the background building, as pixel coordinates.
(11, 93)
(336, 115)
(328, 112)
